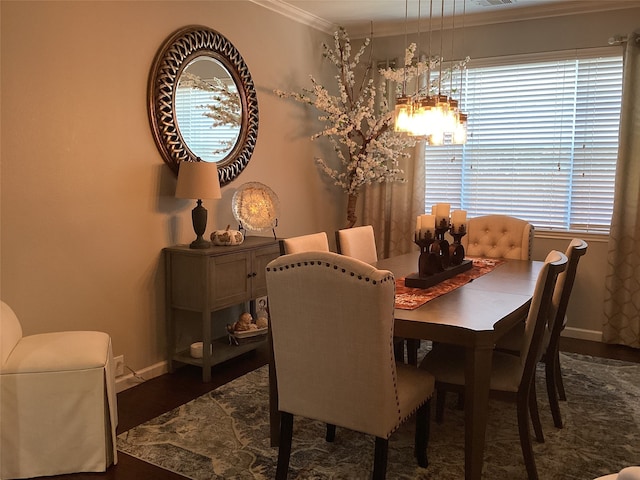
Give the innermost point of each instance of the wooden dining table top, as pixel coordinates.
(482, 309)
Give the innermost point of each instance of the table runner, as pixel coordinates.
(411, 298)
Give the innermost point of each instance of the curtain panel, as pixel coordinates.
(621, 323)
(392, 207)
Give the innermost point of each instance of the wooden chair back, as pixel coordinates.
(357, 242)
(305, 243)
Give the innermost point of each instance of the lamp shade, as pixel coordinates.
(198, 180)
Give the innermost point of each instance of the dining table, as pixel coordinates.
(473, 316)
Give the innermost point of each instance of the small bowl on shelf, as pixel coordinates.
(196, 350)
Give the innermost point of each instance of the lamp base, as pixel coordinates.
(199, 218)
(200, 243)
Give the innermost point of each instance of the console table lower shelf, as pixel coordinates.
(221, 351)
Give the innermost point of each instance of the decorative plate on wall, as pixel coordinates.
(256, 207)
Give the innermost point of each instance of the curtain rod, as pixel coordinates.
(617, 39)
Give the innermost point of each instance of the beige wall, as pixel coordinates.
(584, 315)
(86, 202)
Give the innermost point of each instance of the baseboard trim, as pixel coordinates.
(582, 334)
(125, 382)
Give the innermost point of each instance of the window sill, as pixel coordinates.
(568, 235)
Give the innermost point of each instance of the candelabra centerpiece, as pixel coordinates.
(438, 258)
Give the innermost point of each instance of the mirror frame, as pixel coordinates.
(172, 58)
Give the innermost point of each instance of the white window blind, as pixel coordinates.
(542, 143)
(209, 143)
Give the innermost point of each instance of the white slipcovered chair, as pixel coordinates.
(305, 243)
(58, 409)
(358, 242)
(498, 236)
(628, 473)
(332, 330)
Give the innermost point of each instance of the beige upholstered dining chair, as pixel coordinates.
(58, 411)
(511, 375)
(550, 348)
(358, 242)
(332, 328)
(305, 243)
(498, 236)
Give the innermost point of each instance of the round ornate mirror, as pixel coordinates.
(202, 102)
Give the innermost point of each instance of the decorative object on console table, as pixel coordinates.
(227, 237)
(249, 336)
(256, 207)
(246, 330)
(198, 180)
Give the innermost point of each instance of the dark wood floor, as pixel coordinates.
(159, 395)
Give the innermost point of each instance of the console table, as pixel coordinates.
(207, 280)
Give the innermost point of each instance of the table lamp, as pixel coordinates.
(198, 180)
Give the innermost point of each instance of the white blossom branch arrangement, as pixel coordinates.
(358, 123)
(226, 108)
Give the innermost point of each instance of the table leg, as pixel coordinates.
(477, 374)
(206, 346)
(171, 338)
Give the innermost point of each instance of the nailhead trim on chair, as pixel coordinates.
(335, 267)
(387, 278)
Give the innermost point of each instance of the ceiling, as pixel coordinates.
(392, 17)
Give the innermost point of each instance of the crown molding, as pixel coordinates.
(297, 14)
(383, 29)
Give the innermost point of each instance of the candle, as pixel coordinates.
(442, 214)
(433, 209)
(427, 225)
(458, 220)
(418, 226)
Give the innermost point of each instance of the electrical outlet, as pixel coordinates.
(119, 363)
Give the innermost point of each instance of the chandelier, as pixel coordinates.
(436, 117)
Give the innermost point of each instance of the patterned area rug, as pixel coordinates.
(225, 435)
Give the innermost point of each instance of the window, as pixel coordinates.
(542, 142)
